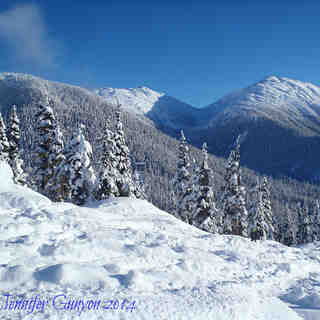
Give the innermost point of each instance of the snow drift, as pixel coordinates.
(126, 259)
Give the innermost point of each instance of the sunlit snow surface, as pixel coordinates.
(140, 100)
(128, 249)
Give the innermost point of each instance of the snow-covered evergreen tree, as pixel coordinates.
(267, 209)
(49, 153)
(78, 170)
(235, 214)
(286, 228)
(305, 232)
(259, 218)
(181, 183)
(205, 212)
(4, 143)
(15, 160)
(58, 180)
(139, 190)
(109, 174)
(124, 181)
(316, 220)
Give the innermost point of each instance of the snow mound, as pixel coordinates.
(6, 177)
(125, 259)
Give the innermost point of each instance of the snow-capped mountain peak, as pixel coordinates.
(274, 97)
(139, 100)
(275, 90)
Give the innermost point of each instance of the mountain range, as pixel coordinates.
(147, 137)
(278, 119)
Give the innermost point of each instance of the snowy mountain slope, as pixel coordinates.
(127, 249)
(165, 111)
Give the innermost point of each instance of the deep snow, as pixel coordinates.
(128, 249)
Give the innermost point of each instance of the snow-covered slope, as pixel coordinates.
(22, 89)
(166, 111)
(127, 250)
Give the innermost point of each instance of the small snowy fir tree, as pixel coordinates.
(181, 183)
(286, 228)
(235, 214)
(78, 169)
(139, 190)
(4, 143)
(205, 212)
(15, 161)
(109, 174)
(124, 181)
(49, 153)
(258, 227)
(305, 232)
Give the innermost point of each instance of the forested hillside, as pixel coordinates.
(74, 105)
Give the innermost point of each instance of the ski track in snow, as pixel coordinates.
(128, 249)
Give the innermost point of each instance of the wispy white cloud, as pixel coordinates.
(24, 28)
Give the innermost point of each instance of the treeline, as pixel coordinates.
(238, 212)
(65, 173)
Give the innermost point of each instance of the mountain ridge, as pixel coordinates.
(277, 143)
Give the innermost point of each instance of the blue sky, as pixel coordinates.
(196, 51)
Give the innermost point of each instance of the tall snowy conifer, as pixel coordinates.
(4, 143)
(78, 169)
(235, 214)
(109, 174)
(48, 153)
(305, 232)
(267, 209)
(124, 181)
(181, 183)
(15, 161)
(260, 223)
(205, 213)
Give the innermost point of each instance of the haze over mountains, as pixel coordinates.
(279, 120)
